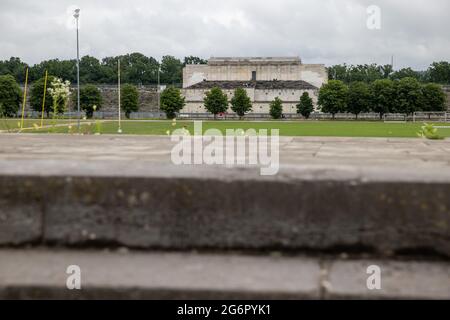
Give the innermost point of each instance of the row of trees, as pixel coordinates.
(438, 72)
(407, 96)
(136, 69)
(142, 70)
(383, 96)
(57, 97)
(216, 102)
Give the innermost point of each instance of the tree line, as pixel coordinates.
(139, 69)
(352, 89)
(382, 96)
(57, 94)
(136, 68)
(438, 72)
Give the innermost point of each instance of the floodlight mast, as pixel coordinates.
(76, 15)
(119, 97)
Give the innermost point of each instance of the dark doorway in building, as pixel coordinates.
(253, 75)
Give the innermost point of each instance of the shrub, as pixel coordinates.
(37, 95)
(428, 131)
(306, 106)
(10, 96)
(172, 101)
(276, 108)
(90, 99)
(129, 99)
(241, 103)
(59, 91)
(216, 101)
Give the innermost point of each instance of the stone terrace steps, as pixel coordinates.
(41, 274)
(370, 195)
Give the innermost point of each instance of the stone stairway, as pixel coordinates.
(140, 227)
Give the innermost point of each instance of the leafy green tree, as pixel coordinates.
(276, 108)
(434, 98)
(37, 95)
(90, 97)
(14, 67)
(10, 96)
(387, 70)
(373, 72)
(439, 72)
(359, 98)
(91, 70)
(137, 68)
(405, 73)
(172, 101)
(306, 106)
(362, 72)
(333, 97)
(383, 96)
(409, 96)
(63, 69)
(216, 101)
(129, 99)
(171, 70)
(338, 72)
(109, 65)
(356, 73)
(194, 60)
(241, 103)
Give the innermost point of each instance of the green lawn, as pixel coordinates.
(287, 128)
(30, 124)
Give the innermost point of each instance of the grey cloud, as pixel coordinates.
(320, 31)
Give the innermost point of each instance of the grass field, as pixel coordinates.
(287, 128)
(30, 124)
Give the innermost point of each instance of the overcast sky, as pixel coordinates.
(416, 32)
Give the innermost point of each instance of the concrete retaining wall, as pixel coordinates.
(225, 213)
(148, 99)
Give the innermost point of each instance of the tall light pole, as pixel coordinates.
(119, 97)
(77, 16)
(159, 87)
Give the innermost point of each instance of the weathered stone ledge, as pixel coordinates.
(41, 274)
(373, 195)
(224, 212)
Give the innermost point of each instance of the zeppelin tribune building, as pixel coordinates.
(264, 79)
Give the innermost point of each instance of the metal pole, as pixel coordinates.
(77, 15)
(43, 100)
(24, 99)
(159, 85)
(120, 113)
